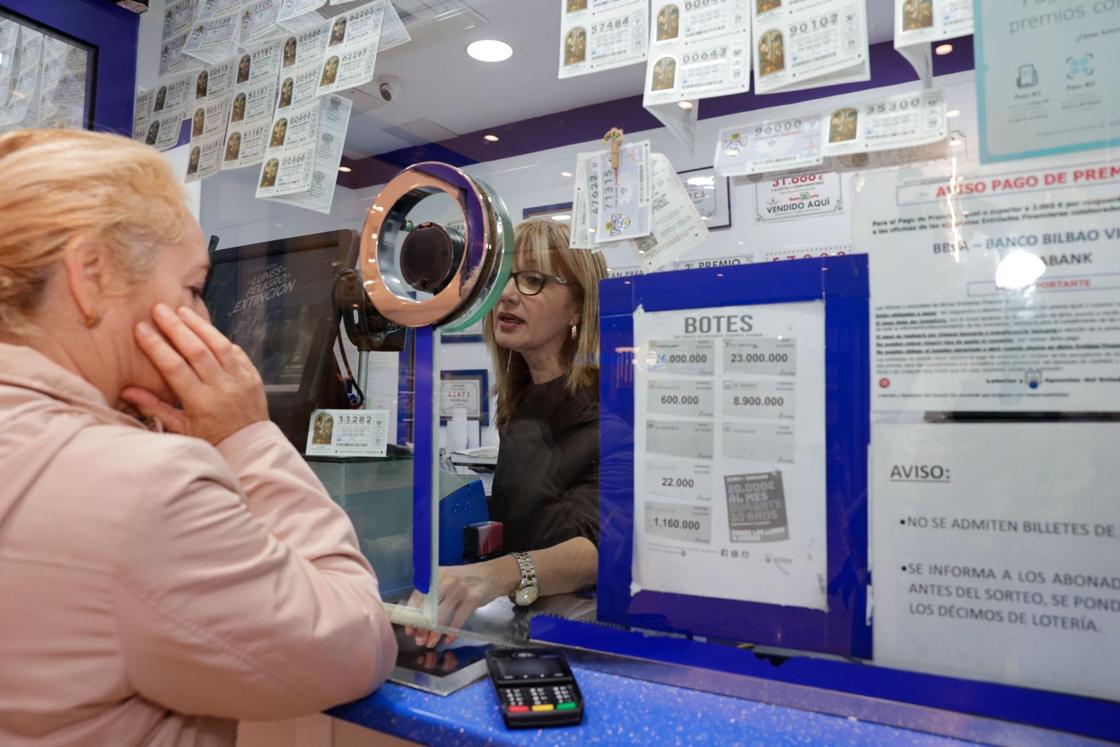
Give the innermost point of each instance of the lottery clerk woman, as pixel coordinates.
(543, 337)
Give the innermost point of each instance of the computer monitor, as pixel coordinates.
(274, 300)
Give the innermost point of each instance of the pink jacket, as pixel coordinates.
(155, 589)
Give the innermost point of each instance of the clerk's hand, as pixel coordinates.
(462, 590)
(219, 388)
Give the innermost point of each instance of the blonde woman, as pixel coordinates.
(543, 337)
(157, 587)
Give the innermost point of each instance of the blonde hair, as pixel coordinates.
(62, 186)
(543, 245)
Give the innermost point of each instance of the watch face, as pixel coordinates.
(526, 596)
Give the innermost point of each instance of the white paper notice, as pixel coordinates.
(808, 43)
(993, 543)
(729, 453)
(778, 145)
(995, 288)
(213, 40)
(582, 234)
(258, 20)
(623, 208)
(351, 49)
(292, 9)
(602, 34)
(798, 196)
(677, 226)
(925, 21)
(254, 102)
(901, 121)
(698, 50)
(304, 151)
(141, 113)
(348, 433)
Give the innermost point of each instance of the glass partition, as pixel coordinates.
(825, 369)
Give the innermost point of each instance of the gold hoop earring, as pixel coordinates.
(575, 332)
(89, 321)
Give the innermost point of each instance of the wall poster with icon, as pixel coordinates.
(1046, 77)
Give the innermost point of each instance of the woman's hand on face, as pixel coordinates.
(219, 388)
(462, 590)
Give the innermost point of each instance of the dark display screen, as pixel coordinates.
(535, 667)
(272, 305)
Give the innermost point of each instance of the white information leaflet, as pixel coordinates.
(292, 9)
(677, 225)
(901, 121)
(777, 145)
(729, 453)
(602, 34)
(996, 289)
(213, 97)
(258, 20)
(393, 31)
(254, 102)
(798, 196)
(1045, 77)
(997, 552)
(809, 43)
(620, 198)
(582, 229)
(216, 39)
(348, 433)
(925, 21)
(177, 18)
(698, 50)
(305, 149)
(465, 393)
(141, 112)
(351, 49)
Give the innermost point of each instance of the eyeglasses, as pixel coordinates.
(531, 282)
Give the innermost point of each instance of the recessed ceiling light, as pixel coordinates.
(953, 113)
(561, 217)
(686, 105)
(490, 138)
(566, 174)
(943, 49)
(345, 169)
(489, 50)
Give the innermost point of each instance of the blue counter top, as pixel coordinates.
(619, 711)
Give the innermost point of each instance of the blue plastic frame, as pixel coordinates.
(841, 282)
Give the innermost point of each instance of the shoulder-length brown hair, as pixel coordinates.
(543, 245)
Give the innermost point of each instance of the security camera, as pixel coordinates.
(389, 87)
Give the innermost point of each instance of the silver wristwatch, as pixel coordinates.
(527, 592)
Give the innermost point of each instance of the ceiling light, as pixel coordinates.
(701, 181)
(489, 50)
(566, 174)
(952, 113)
(561, 217)
(490, 138)
(345, 169)
(686, 105)
(943, 49)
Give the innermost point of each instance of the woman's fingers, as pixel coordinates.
(172, 367)
(151, 406)
(187, 342)
(219, 345)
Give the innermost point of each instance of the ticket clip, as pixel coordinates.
(614, 139)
